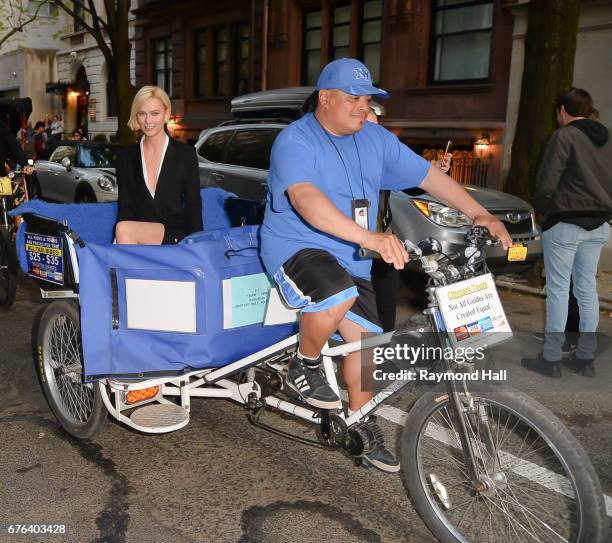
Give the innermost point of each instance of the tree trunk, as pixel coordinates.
(122, 49)
(550, 46)
(125, 95)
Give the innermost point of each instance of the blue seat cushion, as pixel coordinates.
(95, 223)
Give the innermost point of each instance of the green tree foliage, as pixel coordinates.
(550, 46)
(15, 18)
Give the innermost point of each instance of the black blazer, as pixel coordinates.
(177, 203)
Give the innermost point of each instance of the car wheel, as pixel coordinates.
(85, 196)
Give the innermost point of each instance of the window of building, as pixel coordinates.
(461, 40)
(312, 47)
(79, 14)
(340, 32)
(222, 58)
(163, 64)
(47, 8)
(201, 62)
(341, 29)
(221, 71)
(242, 64)
(371, 37)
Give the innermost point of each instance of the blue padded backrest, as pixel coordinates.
(92, 222)
(213, 208)
(95, 223)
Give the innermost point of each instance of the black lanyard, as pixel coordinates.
(348, 179)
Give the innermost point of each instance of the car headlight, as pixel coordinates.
(106, 183)
(441, 214)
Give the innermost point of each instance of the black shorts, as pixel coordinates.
(312, 280)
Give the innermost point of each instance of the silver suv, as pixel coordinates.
(236, 156)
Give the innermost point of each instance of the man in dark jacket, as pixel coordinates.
(574, 192)
(9, 149)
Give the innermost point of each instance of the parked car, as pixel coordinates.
(235, 156)
(77, 171)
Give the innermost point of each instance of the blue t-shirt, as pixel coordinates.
(344, 168)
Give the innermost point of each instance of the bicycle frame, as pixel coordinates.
(216, 382)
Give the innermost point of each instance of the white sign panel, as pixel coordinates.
(253, 299)
(472, 311)
(278, 312)
(165, 306)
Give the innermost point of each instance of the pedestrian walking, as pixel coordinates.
(574, 192)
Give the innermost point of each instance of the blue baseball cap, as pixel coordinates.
(350, 76)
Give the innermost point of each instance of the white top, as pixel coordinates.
(144, 166)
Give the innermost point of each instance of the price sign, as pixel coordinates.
(44, 255)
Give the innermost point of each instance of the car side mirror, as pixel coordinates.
(66, 163)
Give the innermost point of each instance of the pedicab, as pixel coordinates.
(138, 332)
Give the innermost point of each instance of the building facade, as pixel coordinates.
(28, 58)
(60, 66)
(83, 83)
(445, 64)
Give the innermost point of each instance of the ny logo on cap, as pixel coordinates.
(361, 73)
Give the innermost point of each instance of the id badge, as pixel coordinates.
(360, 212)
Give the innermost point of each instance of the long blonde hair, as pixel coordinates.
(143, 94)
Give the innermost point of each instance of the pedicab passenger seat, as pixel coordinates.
(132, 322)
(95, 223)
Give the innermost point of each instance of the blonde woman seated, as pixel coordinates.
(158, 178)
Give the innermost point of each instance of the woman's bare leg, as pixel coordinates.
(139, 233)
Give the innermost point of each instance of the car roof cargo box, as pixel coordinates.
(271, 104)
(279, 104)
(12, 111)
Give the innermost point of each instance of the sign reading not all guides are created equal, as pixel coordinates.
(472, 311)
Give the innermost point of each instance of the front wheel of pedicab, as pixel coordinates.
(536, 482)
(58, 357)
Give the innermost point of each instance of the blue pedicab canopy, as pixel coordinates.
(155, 310)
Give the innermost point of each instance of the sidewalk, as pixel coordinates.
(519, 282)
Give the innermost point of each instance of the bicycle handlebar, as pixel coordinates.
(475, 237)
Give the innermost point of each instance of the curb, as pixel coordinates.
(605, 302)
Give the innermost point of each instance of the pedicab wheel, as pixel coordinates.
(8, 269)
(536, 483)
(58, 357)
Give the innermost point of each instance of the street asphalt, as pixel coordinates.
(220, 479)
